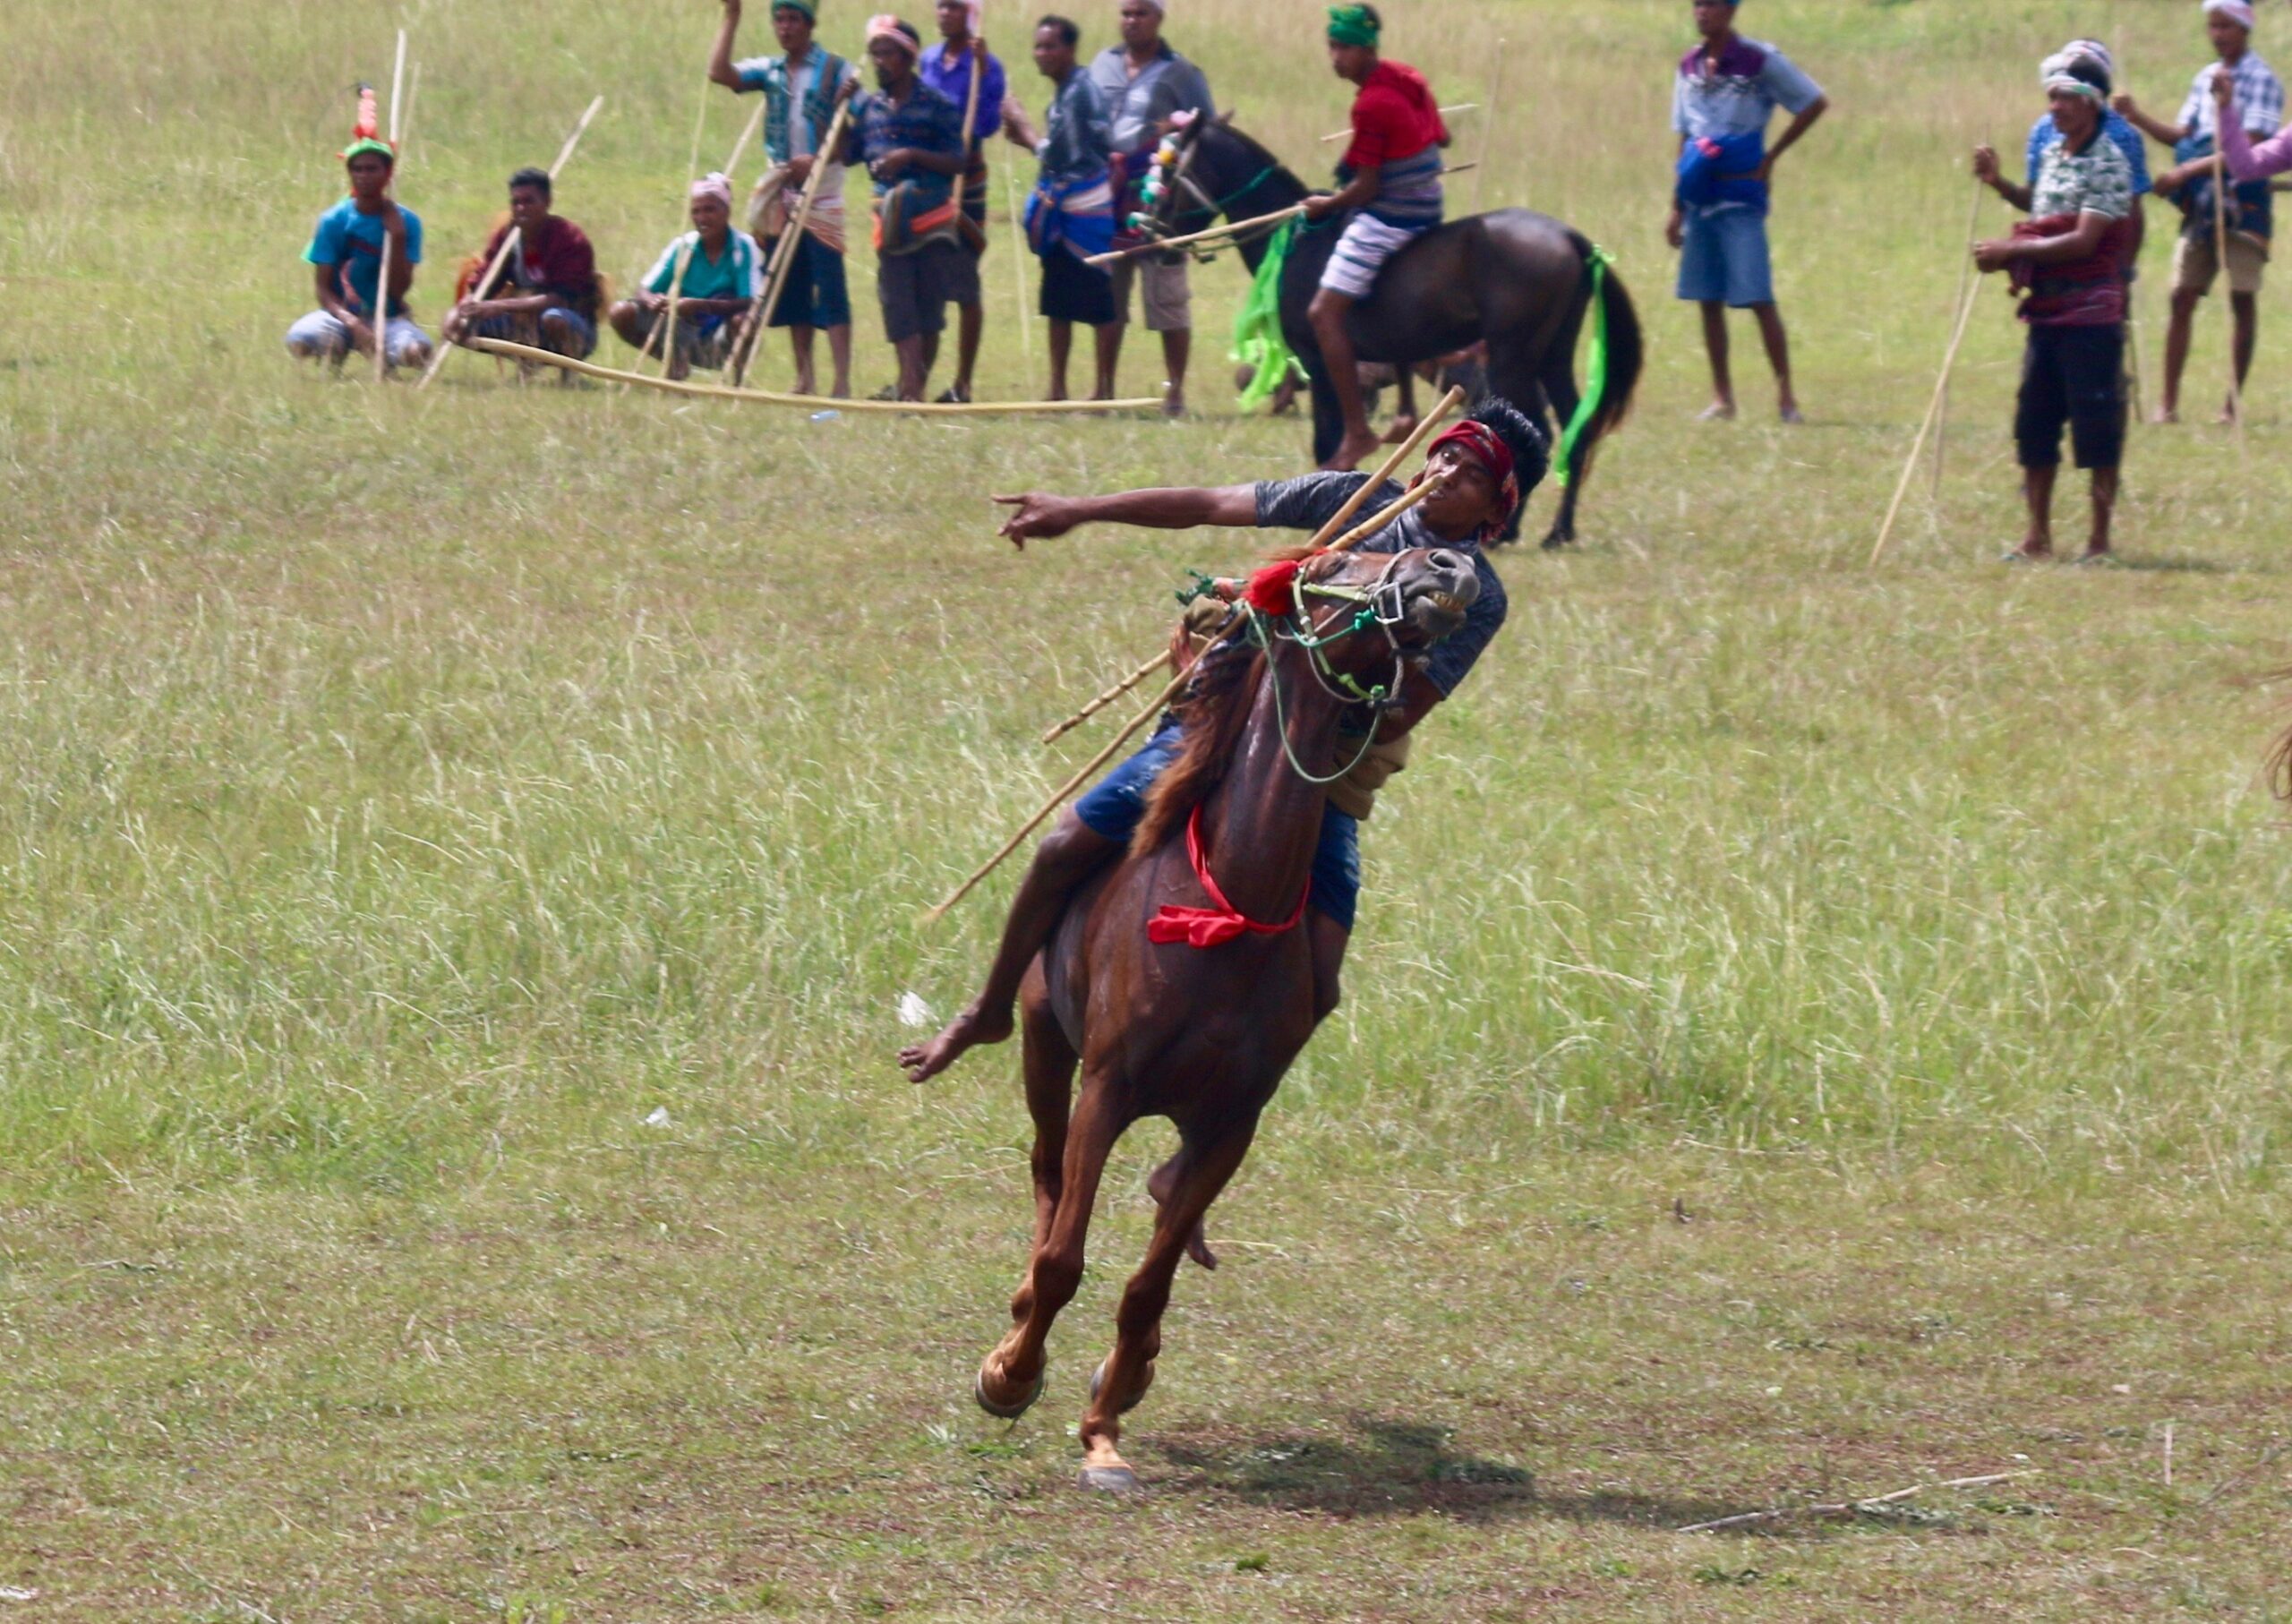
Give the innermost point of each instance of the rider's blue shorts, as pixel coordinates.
(1114, 807)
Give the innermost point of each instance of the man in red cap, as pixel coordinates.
(1488, 464)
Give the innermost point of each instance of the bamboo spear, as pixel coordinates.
(1487, 120)
(1462, 107)
(783, 258)
(1909, 465)
(382, 277)
(2221, 262)
(484, 283)
(1230, 228)
(1965, 275)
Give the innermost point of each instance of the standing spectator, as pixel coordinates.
(1146, 85)
(1070, 216)
(2120, 129)
(801, 87)
(911, 139)
(1726, 90)
(947, 67)
(2258, 96)
(2066, 257)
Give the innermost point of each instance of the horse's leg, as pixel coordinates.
(1010, 1377)
(1158, 1184)
(1404, 418)
(1559, 381)
(1122, 1380)
(1047, 1063)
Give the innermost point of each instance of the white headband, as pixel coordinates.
(2238, 12)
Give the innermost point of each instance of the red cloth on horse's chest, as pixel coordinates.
(1216, 926)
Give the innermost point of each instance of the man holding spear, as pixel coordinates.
(1485, 465)
(911, 139)
(2067, 259)
(552, 299)
(961, 68)
(346, 254)
(801, 87)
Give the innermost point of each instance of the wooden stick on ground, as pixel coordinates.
(382, 312)
(2221, 262)
(784, 256)
(1910, 466)
(1847, 1507)
(1965, 275)
(1487, 120)
(717, 391)
(484, 283)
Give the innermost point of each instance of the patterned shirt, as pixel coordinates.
(789, 87)
(1740, 92)
(1167, 84)
(1310, 501)
(2096, 181)
(1077, 134)
(950, 76)
(925, 121)
(2259, 98)
(2044, 135)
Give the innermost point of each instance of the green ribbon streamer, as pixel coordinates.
(1595, 370)
(1258, 343)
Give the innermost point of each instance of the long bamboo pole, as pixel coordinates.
(1487, 123)
(1226, 230)
(1461, 106)
(1106, 699)
(382, 312)
(717, 391)
(784, 257)
(2220, 263)
(1018, 265)
(484, 283)
(1965, 276)
(1909, 465)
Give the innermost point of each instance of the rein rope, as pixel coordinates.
(1378, 606)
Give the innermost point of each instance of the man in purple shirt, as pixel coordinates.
(950, 67)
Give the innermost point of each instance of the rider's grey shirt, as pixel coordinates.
(1310, 500)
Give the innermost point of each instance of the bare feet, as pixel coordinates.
(1718, 411)
(1350, 450)
(1157, 1186)
(924, 1061)
(2164, 414)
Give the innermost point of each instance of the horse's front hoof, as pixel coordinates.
(1010, 1411)
(1099, 1377)
(1110, 1480)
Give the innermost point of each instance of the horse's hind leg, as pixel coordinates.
(1560, 385)
(1204, 1166)
(1010, 1377)
(1047, 1063)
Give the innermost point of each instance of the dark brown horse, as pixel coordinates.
(1200, 1035)
(1518, 281)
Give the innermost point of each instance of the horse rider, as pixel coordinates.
(1489, 462)
(1391, 180)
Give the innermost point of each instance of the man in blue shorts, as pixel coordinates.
(1726, 90)
(1492, 460)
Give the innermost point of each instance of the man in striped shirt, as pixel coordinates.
(1391, 175)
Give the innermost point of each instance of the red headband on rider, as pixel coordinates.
(1484, 444)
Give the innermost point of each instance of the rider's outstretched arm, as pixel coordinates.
(1038, 514)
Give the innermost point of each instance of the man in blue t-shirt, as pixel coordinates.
(1724, 92)
(346, 257)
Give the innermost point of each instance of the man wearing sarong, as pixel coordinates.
(801, 88)
(710, 274)
(1147, 85)
(2067, 261)
(1069, 214)
(1491, 461)
(911, 139)
(1389, 185)
(948, 65)
(2257, 99)
(547, 294)
(346, 259)
(1725, 91)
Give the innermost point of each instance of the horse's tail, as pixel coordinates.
(1617, 355)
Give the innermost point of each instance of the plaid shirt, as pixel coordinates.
(2259, 98)
(925, 121)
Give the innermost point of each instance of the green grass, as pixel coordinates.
(412, 793)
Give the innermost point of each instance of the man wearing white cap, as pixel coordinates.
(2258, 102)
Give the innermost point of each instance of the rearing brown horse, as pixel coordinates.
(1199, 1034)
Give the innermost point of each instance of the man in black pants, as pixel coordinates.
(2067, 258)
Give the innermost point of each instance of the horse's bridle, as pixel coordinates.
(1381, 604)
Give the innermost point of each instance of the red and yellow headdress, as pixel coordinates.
(366, 134)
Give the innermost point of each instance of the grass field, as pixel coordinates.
(1813, 1030)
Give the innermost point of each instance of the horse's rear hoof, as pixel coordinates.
(1006, 1412)
(1110, 1480)
(1099, 1377)
(1555, 542)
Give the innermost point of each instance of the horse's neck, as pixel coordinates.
(1249, 182)
(1260, 826)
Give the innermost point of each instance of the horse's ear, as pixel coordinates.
(1227, 118)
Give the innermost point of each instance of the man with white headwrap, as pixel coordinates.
(2257, 99)
(711, 296)
(2044, 134)
(2066, 260)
